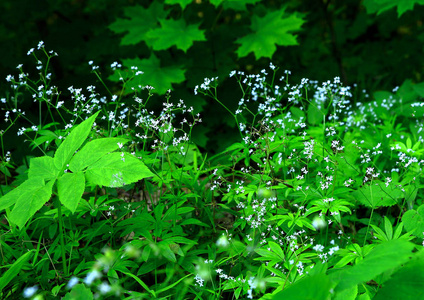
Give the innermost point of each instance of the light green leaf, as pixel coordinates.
(78, 292)
(175, 33)
(93, 151)
(379, 6)
(14, 269)
(160, 78)
(139, 21)
(30, 201)
(28, 185)
(42, 167)
(112, 171)
(315, 287)
(70, 188)
(72, 142)
(238, 5)
(269, 31)
(382, 258)
(414, 221)
(377, 194)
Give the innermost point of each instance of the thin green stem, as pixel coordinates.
(62, 239)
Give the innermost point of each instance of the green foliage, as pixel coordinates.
(380, 6)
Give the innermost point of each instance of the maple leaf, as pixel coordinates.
(139, 21)
(160, 78)
(175, 33)
(379, 6)
(269, 31)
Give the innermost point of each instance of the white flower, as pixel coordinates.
(30, 291)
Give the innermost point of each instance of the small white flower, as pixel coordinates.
(30, 291)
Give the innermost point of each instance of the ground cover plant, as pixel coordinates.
(321, 197)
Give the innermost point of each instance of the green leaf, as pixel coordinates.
(72, 142)
(93, 151)
(160, 78)
(11, 197)
(377, 194)
(182, 3)
(379, 6)
(14, 269)
(42, 167)
(175, 33)
(414, 221)
(238, 5)
(30, 201)
(112, 171)
(269, 31)
(315, 287)
(70, 188)
(79, 291)
(406, 283)
(382, 258)
(138, 23)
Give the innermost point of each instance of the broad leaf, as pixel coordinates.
(139, 21)
(382, 258)
(406, 283)
(414, 221)
(93, 151)
(28, 185)
(160, 78)
(377, 194)
(175, 33)
(42, 167)
(268, 32)
(379, 6)
(72, 142)
(80, 291)
(70, 188)
(30, 201)
(112, 171)
(315, 287)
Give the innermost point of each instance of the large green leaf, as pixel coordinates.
(30, 201)
(42, 167)
(315, 287)
(93, 151)
(406, 283)
(382, 258)
(112, 171)
(78, 292)
(160, 78)
(269, 31)
(175, 33)
(70, 188)
(139, 21)
(72, 142)
(377, 194)
(28, 185)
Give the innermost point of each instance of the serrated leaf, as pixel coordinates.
(42, 167)
(238, 5)
(93, 151)
(70, 187)
(160, 78)
(139, 21)
(377, 194)
(269, 31)
(112, 171)
(175, 33)
(72, 142)
(30, 201)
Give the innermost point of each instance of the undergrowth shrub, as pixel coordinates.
(320, 198)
